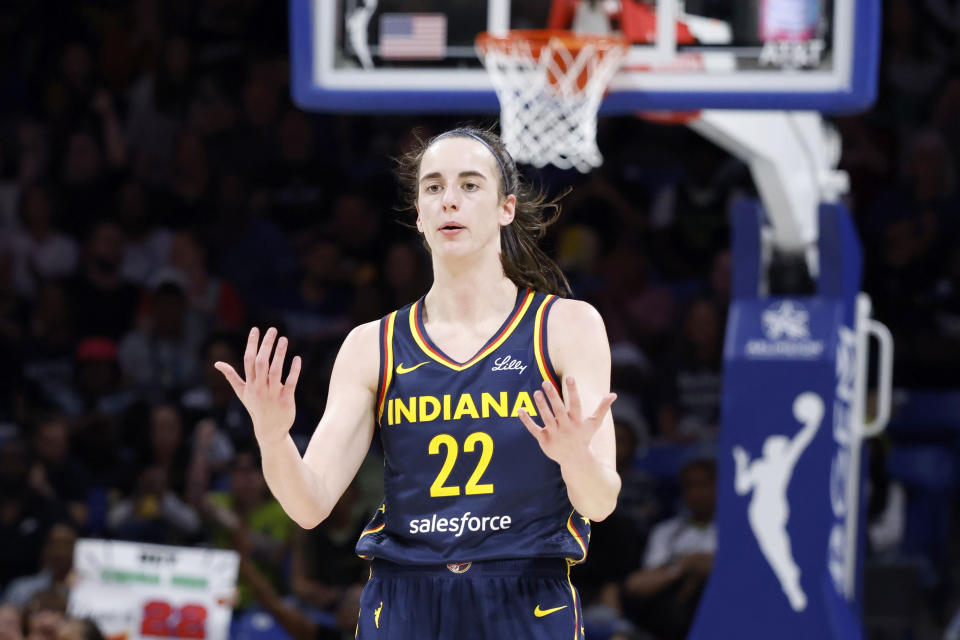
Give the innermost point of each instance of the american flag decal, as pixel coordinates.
(413, 35)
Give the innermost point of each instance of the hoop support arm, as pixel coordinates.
(793, 157)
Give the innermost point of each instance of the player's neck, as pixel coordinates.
(464, 294)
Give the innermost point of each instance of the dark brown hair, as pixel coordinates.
(524, 262)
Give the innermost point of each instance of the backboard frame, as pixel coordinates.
(317, 86)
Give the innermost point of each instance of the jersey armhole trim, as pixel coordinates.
(386, 357)
(540, 350)
(572, 528)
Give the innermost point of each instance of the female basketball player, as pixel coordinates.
(482, 518)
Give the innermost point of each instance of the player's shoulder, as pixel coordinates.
(359, 356)
(575, 331)
(368, 332)
(575, 317)
(363, 342)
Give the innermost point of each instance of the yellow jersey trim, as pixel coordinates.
(375, 529)
(490, 348)
(387, 375)
(539, 348)
(576, 609)
(576, 536)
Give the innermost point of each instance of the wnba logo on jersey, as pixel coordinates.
(459, 567)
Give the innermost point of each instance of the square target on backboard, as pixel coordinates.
(419, 55)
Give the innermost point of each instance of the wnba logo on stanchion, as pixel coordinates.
(786, 330)
(767, 477)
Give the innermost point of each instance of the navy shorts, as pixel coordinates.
(530, 599)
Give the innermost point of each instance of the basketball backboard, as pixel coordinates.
(419, 55)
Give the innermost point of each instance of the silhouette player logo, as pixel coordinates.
(768, 477)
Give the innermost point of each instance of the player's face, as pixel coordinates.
(459, 208)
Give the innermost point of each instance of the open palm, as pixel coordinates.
(566, 434)
(269, 401)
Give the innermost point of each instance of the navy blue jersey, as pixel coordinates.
(464, 480)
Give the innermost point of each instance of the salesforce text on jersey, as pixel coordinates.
(457, 526)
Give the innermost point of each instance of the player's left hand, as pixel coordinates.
(566, 434)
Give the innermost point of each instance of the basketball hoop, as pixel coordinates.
(670, 117)
(550, 84)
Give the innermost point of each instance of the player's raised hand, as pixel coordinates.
(269, 401)
(566, 434)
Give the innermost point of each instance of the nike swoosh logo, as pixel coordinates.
(402, 370)
(545, 612)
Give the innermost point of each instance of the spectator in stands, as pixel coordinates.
(662, 596)
(161, 356)
(104, 302)
(688, 219)
(25, 515)
(916, 217)
(298, 624)
(55, 568)
(44, 614)
(165, 446)
(213, 399)
(403, 274)
(147, 243)
(13, 311)
(323, 563)
(886, 504)
(689, 389)
(317, 307)
(246, 506)
(98, 382)
(578, 254)
(11, 623)
(84, 629)
(189, 194)
(293, 178)
(616, 543)
(636, 309)
(154, 513)
(87, 186)
(41, 251)
(637, 502)
(211, 297)
(355, 226)
(720, 283)
(56, 472)
(49, 352)
(259, 258)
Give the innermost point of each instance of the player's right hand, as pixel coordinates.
(269, 401)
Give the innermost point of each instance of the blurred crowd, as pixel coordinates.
(160, 194)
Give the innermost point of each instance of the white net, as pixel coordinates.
(550, 88)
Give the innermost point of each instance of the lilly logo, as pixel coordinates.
(786, 320)
(508, 363)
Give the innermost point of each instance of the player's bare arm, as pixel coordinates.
(577, 430)
(310, 486)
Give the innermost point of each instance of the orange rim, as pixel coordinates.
(539, 38)
(669, 117)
